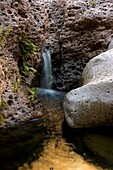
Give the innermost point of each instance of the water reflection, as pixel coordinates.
(20, 144)
(58, 155)
(33, 147)
(47, 145)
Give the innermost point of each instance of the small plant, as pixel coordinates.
(16, 85)
(3, 105)
(27, 48)
(32, 95)
(4, 31)
(93, 3)
(27, 70)
(1, 120)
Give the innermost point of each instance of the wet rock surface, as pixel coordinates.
(91, 104)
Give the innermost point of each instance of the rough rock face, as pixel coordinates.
(2, 78)
(20, 18)
(92, 104)
(79, 31)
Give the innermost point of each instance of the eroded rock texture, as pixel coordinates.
(2, 78)
(75, 31)
(79, 31)
(28, 19)
(92, 104)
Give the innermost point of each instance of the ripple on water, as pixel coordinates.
(40, 146)
(58, 155)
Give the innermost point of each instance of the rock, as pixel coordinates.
(92, 104)
(76, 31)
(110, 45)
(100, 145)
(79, 31)
(20, 19)
(2, 78)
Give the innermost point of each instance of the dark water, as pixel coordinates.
(26, 143)
(20, 144)
(94, 144)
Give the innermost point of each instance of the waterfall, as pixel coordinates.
(52, 99)
(47, 77)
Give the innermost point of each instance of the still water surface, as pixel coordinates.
(49, 144)
(34, 147)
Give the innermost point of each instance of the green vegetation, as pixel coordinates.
(26, 69)
(4, 31)
(16, 85)
(3, 105)
(93, 3)
(27, 48)
(32, 94)
(1, 120)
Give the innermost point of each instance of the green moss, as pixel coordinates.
(93, 3)
(3, 105)
(1, 120)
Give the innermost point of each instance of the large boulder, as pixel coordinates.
(92, 104)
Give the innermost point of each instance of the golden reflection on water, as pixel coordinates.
(58, 155)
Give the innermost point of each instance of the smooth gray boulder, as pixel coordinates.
(92, 104)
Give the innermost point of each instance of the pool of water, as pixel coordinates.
(50, 144)
(20, 144)
(31, 147)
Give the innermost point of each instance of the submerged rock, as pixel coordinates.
(100, 145)
(92, 104)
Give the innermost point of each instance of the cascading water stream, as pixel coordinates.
(47, 77)
(51, 98)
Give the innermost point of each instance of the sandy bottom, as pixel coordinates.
(58, 155)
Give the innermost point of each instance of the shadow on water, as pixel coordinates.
(50, 142)
(94, 144)
(20, 144)
(25, 143)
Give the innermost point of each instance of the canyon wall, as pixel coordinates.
(20, 21)
(79, 31)
(75, 32)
